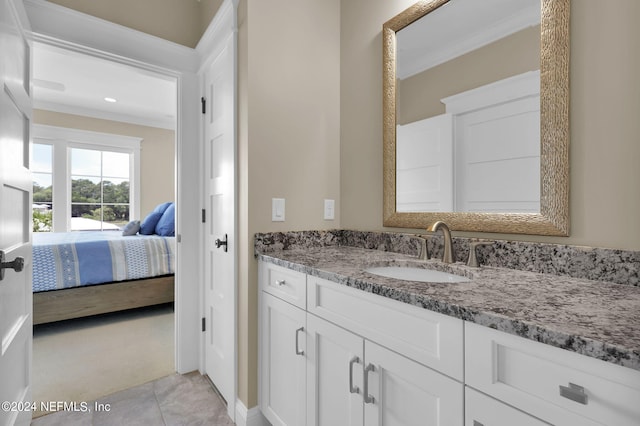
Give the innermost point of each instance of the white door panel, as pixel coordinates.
(15, 218)
(219, 170)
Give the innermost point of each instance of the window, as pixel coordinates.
(83, 180)
(42, 171)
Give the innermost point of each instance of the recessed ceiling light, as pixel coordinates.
(112, 100)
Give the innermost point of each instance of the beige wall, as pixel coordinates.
(157, 153)
(179, 21)
(419, 96)
(289, 136)
(605, 105)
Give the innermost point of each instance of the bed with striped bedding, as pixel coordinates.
(83, 273)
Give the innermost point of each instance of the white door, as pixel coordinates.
(283, 362)
(424, 165)
(220, 247)
(401, 392)
(334, 375)
(15, 218)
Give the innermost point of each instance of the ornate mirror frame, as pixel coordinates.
(553, 218)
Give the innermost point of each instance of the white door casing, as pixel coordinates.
(220, 223)
(15, 215)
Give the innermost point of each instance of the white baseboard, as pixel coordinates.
(249, 417)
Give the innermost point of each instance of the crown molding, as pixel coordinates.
(168, 124)
(51, 21)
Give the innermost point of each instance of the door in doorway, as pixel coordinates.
(220, 247)
(15, 218)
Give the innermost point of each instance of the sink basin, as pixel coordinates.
(416, 274)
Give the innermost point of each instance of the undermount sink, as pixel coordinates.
(416, 274)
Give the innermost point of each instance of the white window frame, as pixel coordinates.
(63, 139)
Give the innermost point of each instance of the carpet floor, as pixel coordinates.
(86, 359)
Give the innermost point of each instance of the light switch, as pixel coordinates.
(277, 209)
(329, 209)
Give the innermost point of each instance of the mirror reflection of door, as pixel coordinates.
(495, 155)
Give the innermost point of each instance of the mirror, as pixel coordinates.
(482, 172)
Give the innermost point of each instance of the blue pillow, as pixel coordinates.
(162, 207)
(131, 228)
(148, 225)
(166, 226)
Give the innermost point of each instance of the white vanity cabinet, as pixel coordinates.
(369, 360)
(557, 386)
(282, 345)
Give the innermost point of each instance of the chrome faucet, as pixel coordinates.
(448, 255)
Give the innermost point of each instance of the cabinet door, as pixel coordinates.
(334, 375)
(398, 391)
(282, 397)
(482, 410)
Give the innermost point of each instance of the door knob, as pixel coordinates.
(16, 264)
(222, 243)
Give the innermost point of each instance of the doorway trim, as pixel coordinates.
(67, 29)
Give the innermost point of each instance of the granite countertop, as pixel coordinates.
(593, 318)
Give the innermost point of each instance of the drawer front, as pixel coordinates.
(427, 337)
(482, 410)
(558, 386)
(283, 283)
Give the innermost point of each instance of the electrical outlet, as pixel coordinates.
(329, 209)
(277, 209)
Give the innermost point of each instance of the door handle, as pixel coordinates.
(222, 243)
(16, 264)
(298, 352)
(353, 389)
(368, 399)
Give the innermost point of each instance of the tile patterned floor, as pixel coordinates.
(174, 400)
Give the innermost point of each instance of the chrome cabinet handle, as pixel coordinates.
(368, 399)
(16, 264)
(298, 352)
(280, 282)
(575, 393)
(353, 389)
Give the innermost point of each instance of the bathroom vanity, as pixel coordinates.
(339, 345)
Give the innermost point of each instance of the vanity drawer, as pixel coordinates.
(482, 410)
(427, 337)
(283, 283)
(540, 380)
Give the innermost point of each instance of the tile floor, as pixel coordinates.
(173, 400)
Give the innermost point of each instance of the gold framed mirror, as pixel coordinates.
(553, 215)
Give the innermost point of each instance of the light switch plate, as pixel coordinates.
(277, 209)
(329, 209)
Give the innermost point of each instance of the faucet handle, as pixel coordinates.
(473, 259)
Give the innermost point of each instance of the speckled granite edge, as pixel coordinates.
(585, 346)
(598, 264)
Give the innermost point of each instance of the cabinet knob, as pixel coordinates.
(575, 393)
(280, 282)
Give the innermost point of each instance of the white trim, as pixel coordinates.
(58, 22)
(249, 417)
(168, 123)
(81, 33)
(506, 90)
(222, 26)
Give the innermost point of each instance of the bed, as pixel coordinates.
(77, 274)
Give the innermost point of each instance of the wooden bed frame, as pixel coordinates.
(58, 305)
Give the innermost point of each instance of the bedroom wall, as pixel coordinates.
(157, 162)
(604, 110)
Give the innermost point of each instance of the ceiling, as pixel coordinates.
(75, 83)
